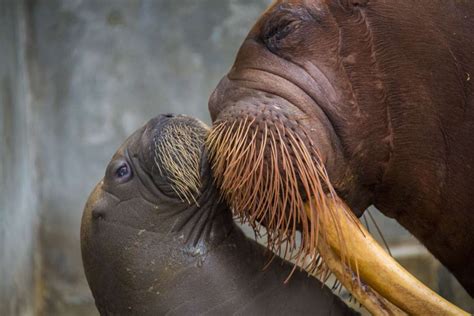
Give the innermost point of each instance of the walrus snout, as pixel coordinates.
(169, 144)
(153, 136)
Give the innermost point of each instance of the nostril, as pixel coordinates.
(98, 214)
(168, 115)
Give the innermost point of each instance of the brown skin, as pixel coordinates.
(384, 91)
(148, 252)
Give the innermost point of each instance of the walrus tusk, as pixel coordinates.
(371, 300)
(375, 268)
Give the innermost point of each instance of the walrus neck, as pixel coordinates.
(211, 223)
(208, 222)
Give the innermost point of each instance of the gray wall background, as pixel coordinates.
(76, 78)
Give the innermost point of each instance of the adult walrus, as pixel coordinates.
(368, 101)
(156, 238)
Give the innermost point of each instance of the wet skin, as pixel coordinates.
(146, 251)
(384, 91)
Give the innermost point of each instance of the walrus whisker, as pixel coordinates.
(238, 136)
(274, 164)
(272, 257)
(225, 139)
(155, 158)
(259, 158)
(289, 195)
(177, 153)
(379, 232)
(304, 180)
(291, 273)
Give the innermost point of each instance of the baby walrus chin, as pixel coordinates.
(157, 239)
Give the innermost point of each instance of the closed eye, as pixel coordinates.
(274, 33)
(285, 20)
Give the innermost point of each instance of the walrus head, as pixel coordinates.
(283, 148)
(274, 144)
(156, 211)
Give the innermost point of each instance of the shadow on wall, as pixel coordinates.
(76, 78)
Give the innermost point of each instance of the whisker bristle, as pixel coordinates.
(267, 173)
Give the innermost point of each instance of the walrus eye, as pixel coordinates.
(123, 171)
(274, 34)
(286, 20)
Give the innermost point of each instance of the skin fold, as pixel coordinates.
(153, 244)
(383, 91)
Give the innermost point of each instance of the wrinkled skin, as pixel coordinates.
(148, 252)
(384, 90)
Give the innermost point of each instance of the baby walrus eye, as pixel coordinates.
(123, 172)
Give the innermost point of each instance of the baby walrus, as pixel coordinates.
(157, 239)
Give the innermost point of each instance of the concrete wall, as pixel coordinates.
(76, 78)
(18, 196)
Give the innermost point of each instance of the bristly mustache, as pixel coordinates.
(177, 155)
(267, 173)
